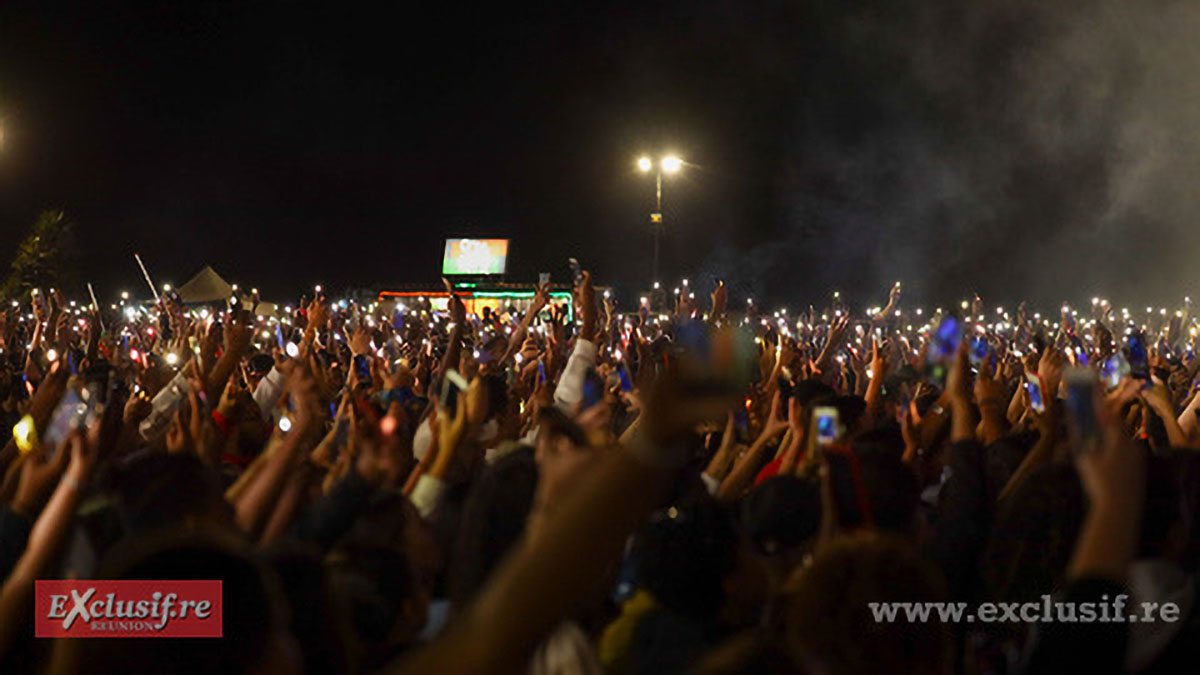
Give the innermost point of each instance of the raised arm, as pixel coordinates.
(553, 569)
(16, 596)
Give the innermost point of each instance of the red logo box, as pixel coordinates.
(96, 608)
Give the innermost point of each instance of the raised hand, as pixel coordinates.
(719, 297)
(38, 477)
(476, 403)
(683, 304)
(774, 424)
(529, 350)
(1050, 370)
(879, 358)
(958, 388)
(587, 306)
(1114, 477)
(451, 430)
(837, 331)
(458, 311)
(238, 332)
(541, 298)
(989, 384)
(39, 309)
(360, 341)
(318, 313)
(137, 407)
(958, 393)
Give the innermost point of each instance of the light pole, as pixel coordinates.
(668, 164)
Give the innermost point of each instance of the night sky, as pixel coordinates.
(991, 146)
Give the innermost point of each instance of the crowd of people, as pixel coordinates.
(576, 490)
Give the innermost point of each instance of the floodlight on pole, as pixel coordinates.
(667, 164)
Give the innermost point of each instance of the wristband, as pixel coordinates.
(221, 421)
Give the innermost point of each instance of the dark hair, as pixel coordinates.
(497, 393)
(261, 364)
(553, 420)
(808, 392)
(891, 486)
(251, 611)
(1034, 535)
(1162, 503)
(1004, 456)
(159, 490)
(683, 554)
(885, 437)
(375, 582)
(493, 518)
(826, 621)
(320, 629)
(850, 409)
(781, 513)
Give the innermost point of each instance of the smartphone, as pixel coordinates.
(593, 390)
(362, 367)
(941, 352)
(1081, 354)
(785, 392)
(741, 423)
(1033, 384)
(1139, 363)
(979, 350)
(73, 412)
(1039, 343)
(1081, 408)
(902, 406)
(452, 384)
(25, 434)
(826, 423)
(541, 371)
(544, 278)
(947, 338)
(1114, 369)
(623, 375)
(279, 336)
(576, 270)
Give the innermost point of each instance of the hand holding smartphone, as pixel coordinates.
(1037, 398)
(1082, 426)
(827, 425)
(452, 384)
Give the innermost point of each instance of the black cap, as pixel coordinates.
(781, 513)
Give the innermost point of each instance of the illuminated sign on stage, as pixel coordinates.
(475, 256)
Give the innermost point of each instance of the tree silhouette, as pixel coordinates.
(43, 258)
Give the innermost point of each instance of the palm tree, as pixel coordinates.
(42, 259)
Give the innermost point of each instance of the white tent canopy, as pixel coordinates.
(206, 286)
